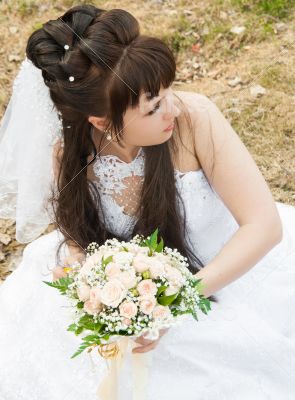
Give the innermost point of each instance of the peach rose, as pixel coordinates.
(90, 308)
(128, 278)
(83, 292)
(128, 309)
(126, 321)
(147, 304)
(113, 293)
(161, 312)
(147, 287)
(95, 296)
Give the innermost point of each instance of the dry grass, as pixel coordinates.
(208, 57)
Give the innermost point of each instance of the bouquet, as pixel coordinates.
(129, 289)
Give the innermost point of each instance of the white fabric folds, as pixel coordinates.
(28, 131)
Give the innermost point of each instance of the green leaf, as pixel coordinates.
(72, 328)
(167, 300)
(61, 284)
(154, 239)
(194, 314)
(161, 289)
(82, 347)
(204, 305)
(80, 304)
(160, 246)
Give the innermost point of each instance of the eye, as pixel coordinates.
(154, 110)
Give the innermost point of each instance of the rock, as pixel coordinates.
(257, 91)
(234, 82)
(223, 15)
(4, 238)
(280, 27)
(237, 29)
(13, 57)
(13, 29)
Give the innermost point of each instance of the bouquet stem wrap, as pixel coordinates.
(108, 389)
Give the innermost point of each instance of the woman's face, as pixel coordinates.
(145, 125)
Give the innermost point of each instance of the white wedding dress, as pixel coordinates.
(243, 349)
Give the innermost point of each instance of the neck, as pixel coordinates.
(125, 152)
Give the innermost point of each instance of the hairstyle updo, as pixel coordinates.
(112, 64)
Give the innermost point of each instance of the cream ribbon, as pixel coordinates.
(108, 389)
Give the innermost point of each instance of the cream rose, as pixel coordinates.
(172, 289)
(95, 296)
(161, 312)
(112, 270)
(128, 278)
(83, 292)
(140, 263)
(147, 304)
(147, 287)
(90, 308)
(156, 269)
(123, 257)
(174, 276)
(128, 309)
(113, 293)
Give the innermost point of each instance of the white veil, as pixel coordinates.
(28, 130)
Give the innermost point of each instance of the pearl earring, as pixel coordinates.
(109, 137)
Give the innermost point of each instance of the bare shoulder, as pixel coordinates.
(192, 106)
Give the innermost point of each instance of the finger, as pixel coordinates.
(144, 349)
(142, 341)
(58, 272)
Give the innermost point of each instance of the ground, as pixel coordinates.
(239, 53)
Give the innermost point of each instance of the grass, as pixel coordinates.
(266, 124)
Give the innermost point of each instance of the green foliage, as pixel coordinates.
(61, 284)
(105, 262)
(152, 243)
(167, 300)
(280, 9)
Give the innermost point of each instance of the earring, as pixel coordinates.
(109, 136)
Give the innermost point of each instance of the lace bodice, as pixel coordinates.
(209, 222)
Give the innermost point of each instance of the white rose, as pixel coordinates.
(113, 293)
(141, 263)
(123, 257)
(174, 276)
(83, 292)
(128, 278)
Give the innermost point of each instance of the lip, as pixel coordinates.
(169, 128)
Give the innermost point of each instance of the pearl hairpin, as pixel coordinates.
(66, 47)
(71, 79)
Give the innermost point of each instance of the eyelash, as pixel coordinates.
(154, 110)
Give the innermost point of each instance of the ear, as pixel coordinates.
(97, 122)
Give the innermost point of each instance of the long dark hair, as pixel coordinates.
(107, 56)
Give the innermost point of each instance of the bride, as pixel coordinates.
(95, 140)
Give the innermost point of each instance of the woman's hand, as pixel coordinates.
(148, 345)
(61, 271)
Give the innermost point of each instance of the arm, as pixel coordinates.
(240, 184)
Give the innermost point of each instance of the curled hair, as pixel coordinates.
(112, 64)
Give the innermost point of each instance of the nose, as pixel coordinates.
(170, 110)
